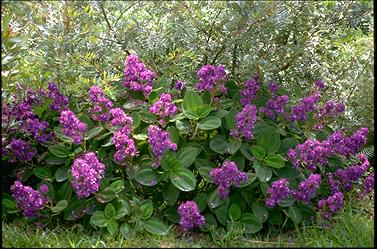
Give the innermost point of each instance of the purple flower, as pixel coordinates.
(137, 77)
(22, 150)
(320, 84)
(226, 176)
(100, 110)
(180, 85)
(43, 188)
(164, 107)
(245, 122)
(190, 216)
(121, 119)
(59, 101)
(159, 141)
(331, 205)
(212, 79)
(273, 87)
(333, 183)
(278, 191)
(307, 188)
(368, 185)
(299, 112)
(72, 126)
(274, 106)
(328, 111)
(87, 172)
(28, 199)
(249, 91)
(124, 145)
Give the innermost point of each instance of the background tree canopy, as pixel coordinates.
(78, 44)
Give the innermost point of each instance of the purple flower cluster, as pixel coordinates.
(352, 173)
(307, 104)
(331, 205)
(59, 101)
(164, 107)
(190, 216)
(320, 84)
(28, 199)
(274, 106)
(100, 110)
(333, 183)
(245, 122)
(273, 87)
(72, 126)
(120, 119)
(249, 91)
(329, 110)
(227, 175)
(368, 185)
(307, 188)
(37, 128)
(137, 76)
(278, 191)
(22, 151)
(87, 172)
(124, 145)
(159, 141)
(180, 85)
(212, 79)
(312, 152)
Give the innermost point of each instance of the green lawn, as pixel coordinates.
(353, 227)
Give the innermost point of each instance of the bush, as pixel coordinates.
(217, 155)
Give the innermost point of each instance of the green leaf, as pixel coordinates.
(141, 137)
(245, 150)
(269, 140)
(75, 209)
(61, 174)
(65, 191)
(147, 117)
(122, 209)
(204, 172)
(260, 212)
(155, 226)
(264, 173)
(126, 231)
(222, 213)
(275, 161)
(201, 201)
(183, 126)
(275, 217)
(187, 156)
(203, 111)
(110, 211)
(112, 226)
(295, 214)
(42, 173)
(117, 186)
(106, 195)
(286, 202)
(200, 162)
(98, 219)
(191, 101)
(258, 152)
(250, 179)
(251, 223)
(169, 161)
(59, 150)
(218, 144)
(146, 176)
(183, 179)
(234, 212)
(210, 221)
(260, 128)
(230, 119)
(214, 199)
(173, 134)
(54, 160)
(209, 123)
(172, 214)
(233, 146)
(286, 144)
(60, 206)
(93, 132)
(146, 210)
(9, 204)
(170, 194)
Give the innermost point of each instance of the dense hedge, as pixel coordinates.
(223, 153)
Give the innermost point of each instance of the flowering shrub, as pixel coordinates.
(199, 157)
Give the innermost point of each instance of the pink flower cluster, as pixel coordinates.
(72, 126)
(164, 107)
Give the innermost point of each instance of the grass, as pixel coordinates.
(353, 227)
